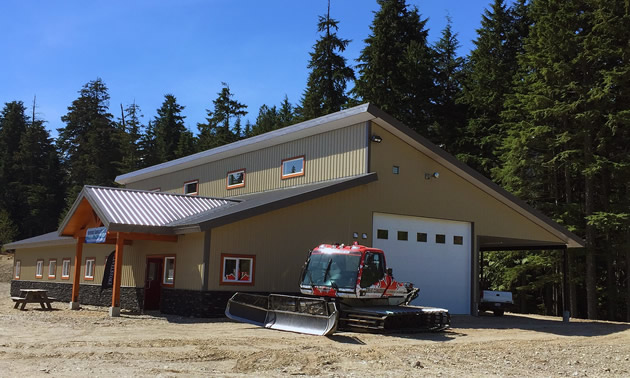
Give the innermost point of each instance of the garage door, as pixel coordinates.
(434, 254)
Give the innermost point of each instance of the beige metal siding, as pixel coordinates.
(334, 154)
(448, 197)
(280, 239)
(187, 251)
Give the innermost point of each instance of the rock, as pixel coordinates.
(418, 365)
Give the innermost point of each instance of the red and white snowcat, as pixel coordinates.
(347, 288)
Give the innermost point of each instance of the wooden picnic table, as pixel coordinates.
(33, 296)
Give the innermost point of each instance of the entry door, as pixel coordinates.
(152, 282)
(433, 254)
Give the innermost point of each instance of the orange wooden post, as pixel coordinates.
(74, 302)
(115, 309)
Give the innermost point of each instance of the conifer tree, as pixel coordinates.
(89, 143)
(131, 133)
(169, 128)
(223, 123)
(448, 116)
(326, 86)
(395, 66)
(147, 146)
(8, 230)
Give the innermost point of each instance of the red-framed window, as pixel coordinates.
(39, 269)
(90, 266)
(191, 187)
(235, 179)
(52, 269)
(293, 167)
(65, 269)
(237, 269)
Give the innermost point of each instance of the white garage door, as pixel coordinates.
(434, 254)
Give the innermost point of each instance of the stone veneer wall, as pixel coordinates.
(199, 304)
(131, 298)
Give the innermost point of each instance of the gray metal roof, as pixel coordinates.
(142, 211)
(45, 240)
(259, 203)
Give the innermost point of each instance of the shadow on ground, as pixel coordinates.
(556, 326)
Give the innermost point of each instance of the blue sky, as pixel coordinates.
(147, 48)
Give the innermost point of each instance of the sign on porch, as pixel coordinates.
(96, 235)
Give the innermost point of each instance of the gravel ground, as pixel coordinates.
(88, 342)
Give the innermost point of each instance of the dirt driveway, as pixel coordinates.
(89, 343)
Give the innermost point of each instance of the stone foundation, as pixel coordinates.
(131, 298)
(193, 303)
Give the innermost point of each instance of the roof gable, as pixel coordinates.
(134, 210)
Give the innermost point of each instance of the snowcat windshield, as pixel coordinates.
(332, 269)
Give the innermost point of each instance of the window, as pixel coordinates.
(458, 240)
(236, 179)
(440, 238)
(191, 187)
(396, 170)
(39, 269)
(382, 234)
(293, 167)
(52, 268)
(18, 269)
(373, 269)
(403, 235)
(169, 271)
(237, 269)
(89, 268)
(422, 237)
(65, 269)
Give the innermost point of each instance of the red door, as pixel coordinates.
(152, 283)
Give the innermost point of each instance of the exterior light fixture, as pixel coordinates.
(376, 139)
(364, 236)
(355, 235)
(429, 176)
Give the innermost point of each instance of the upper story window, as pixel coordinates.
(293, 167)
(191, 187)
(236, 179)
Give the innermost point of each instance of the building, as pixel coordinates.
(243, 216)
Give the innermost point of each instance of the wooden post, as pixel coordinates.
(115, 309)
(74, 302)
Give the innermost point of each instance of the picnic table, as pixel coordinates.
(33, 296)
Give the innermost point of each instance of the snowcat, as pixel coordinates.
(345, 288)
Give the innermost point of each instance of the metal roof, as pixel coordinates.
(141, 211)
(44, 240)
(260, 203)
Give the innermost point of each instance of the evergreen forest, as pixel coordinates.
(540, 105)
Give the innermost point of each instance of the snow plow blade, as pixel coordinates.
(312, 316)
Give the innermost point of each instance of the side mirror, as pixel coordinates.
(390, 272)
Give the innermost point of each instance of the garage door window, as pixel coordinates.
(440, 238)
(403, 235)
(458, 240)
(382, 234)
(422, 237)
